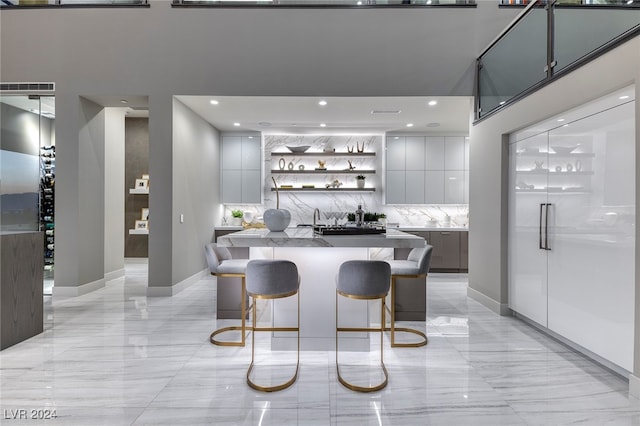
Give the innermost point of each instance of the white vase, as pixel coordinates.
(360, 183)
(276, 220)
(236, 221)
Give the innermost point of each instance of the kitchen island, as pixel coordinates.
(318, 259)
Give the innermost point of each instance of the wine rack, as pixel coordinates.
(47, 202)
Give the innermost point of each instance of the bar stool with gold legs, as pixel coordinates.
(416, 266)
(221, 264)
(363, 280)
(272, 279)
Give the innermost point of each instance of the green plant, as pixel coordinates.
(236, 213)
(382, 216)
(361, 177)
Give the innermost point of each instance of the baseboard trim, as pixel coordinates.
(114, 275)
(169, 291)
(68, 291)
(634, 386)
(499, 308)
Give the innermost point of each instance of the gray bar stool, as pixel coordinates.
(221, 264)
(363, 280)
(416, 266)
(272, 279)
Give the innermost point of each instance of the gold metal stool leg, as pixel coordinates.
(254, 329)
(242, 327)
(363, 329)
(423, 341)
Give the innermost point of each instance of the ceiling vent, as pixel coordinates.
(385, 111)
(27, 87)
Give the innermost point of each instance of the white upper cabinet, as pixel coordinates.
(414, 153)
(241, 160)
(426, 170)
(454, 153)
(434, 153)
(396, 153)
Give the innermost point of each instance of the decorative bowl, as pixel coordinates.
(563, 150)
(298, 149)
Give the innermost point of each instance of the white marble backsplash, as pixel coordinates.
(302, 204)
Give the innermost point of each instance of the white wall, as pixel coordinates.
(113, 193)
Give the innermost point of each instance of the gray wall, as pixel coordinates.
(196, 187)
(136, 164)
(161, 52)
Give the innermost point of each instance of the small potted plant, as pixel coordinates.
(236, 217)
(360, 181)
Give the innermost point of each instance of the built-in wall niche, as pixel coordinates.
(137, 182)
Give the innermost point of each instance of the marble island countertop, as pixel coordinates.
(305, 237)
(409, 228)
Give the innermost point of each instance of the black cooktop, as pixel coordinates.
(348, 230)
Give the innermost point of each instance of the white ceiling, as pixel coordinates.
(303, 115)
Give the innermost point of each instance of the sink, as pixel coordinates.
(348, 230)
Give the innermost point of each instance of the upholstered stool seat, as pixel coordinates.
(272, 279)
(221, 264)
(364, 280)
(416, 266)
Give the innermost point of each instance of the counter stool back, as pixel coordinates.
(221, 264)
(272, 279)
(363, 280)
(416, 266)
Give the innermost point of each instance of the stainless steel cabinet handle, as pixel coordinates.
(540, 246)
(546, 226)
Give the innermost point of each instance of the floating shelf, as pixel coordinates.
(555, 154)
(545, 172)
(324, 154)
(323, 172)
(138, 232)
(325, 189)
(138, 191)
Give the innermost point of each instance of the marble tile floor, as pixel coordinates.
(116, 357)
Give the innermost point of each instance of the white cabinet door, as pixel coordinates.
(592, 257)
(231, 153)
(454, 187)
(414, 153)
(434, 153)
(414, 187)
(231, 186)
(396, 153)
(395, 187)
(433, 187)
(251, 153)
(454, 153)
(526, 259)
(251, 186)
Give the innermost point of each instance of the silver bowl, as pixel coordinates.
(298, 149)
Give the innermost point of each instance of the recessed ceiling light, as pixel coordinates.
(433, 124)
(396, 137)
(214, 102)
(322, 103)
(433, 103)
(323, 125)
(236, 124)
(560, 120)
(359, 3)
(409, 124)
(624, 97)
(250, 137)
(565, 125)
(124, 101)
(503, 102)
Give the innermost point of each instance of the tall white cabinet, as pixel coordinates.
(427, 169)
(241, 168)
(571, 228)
